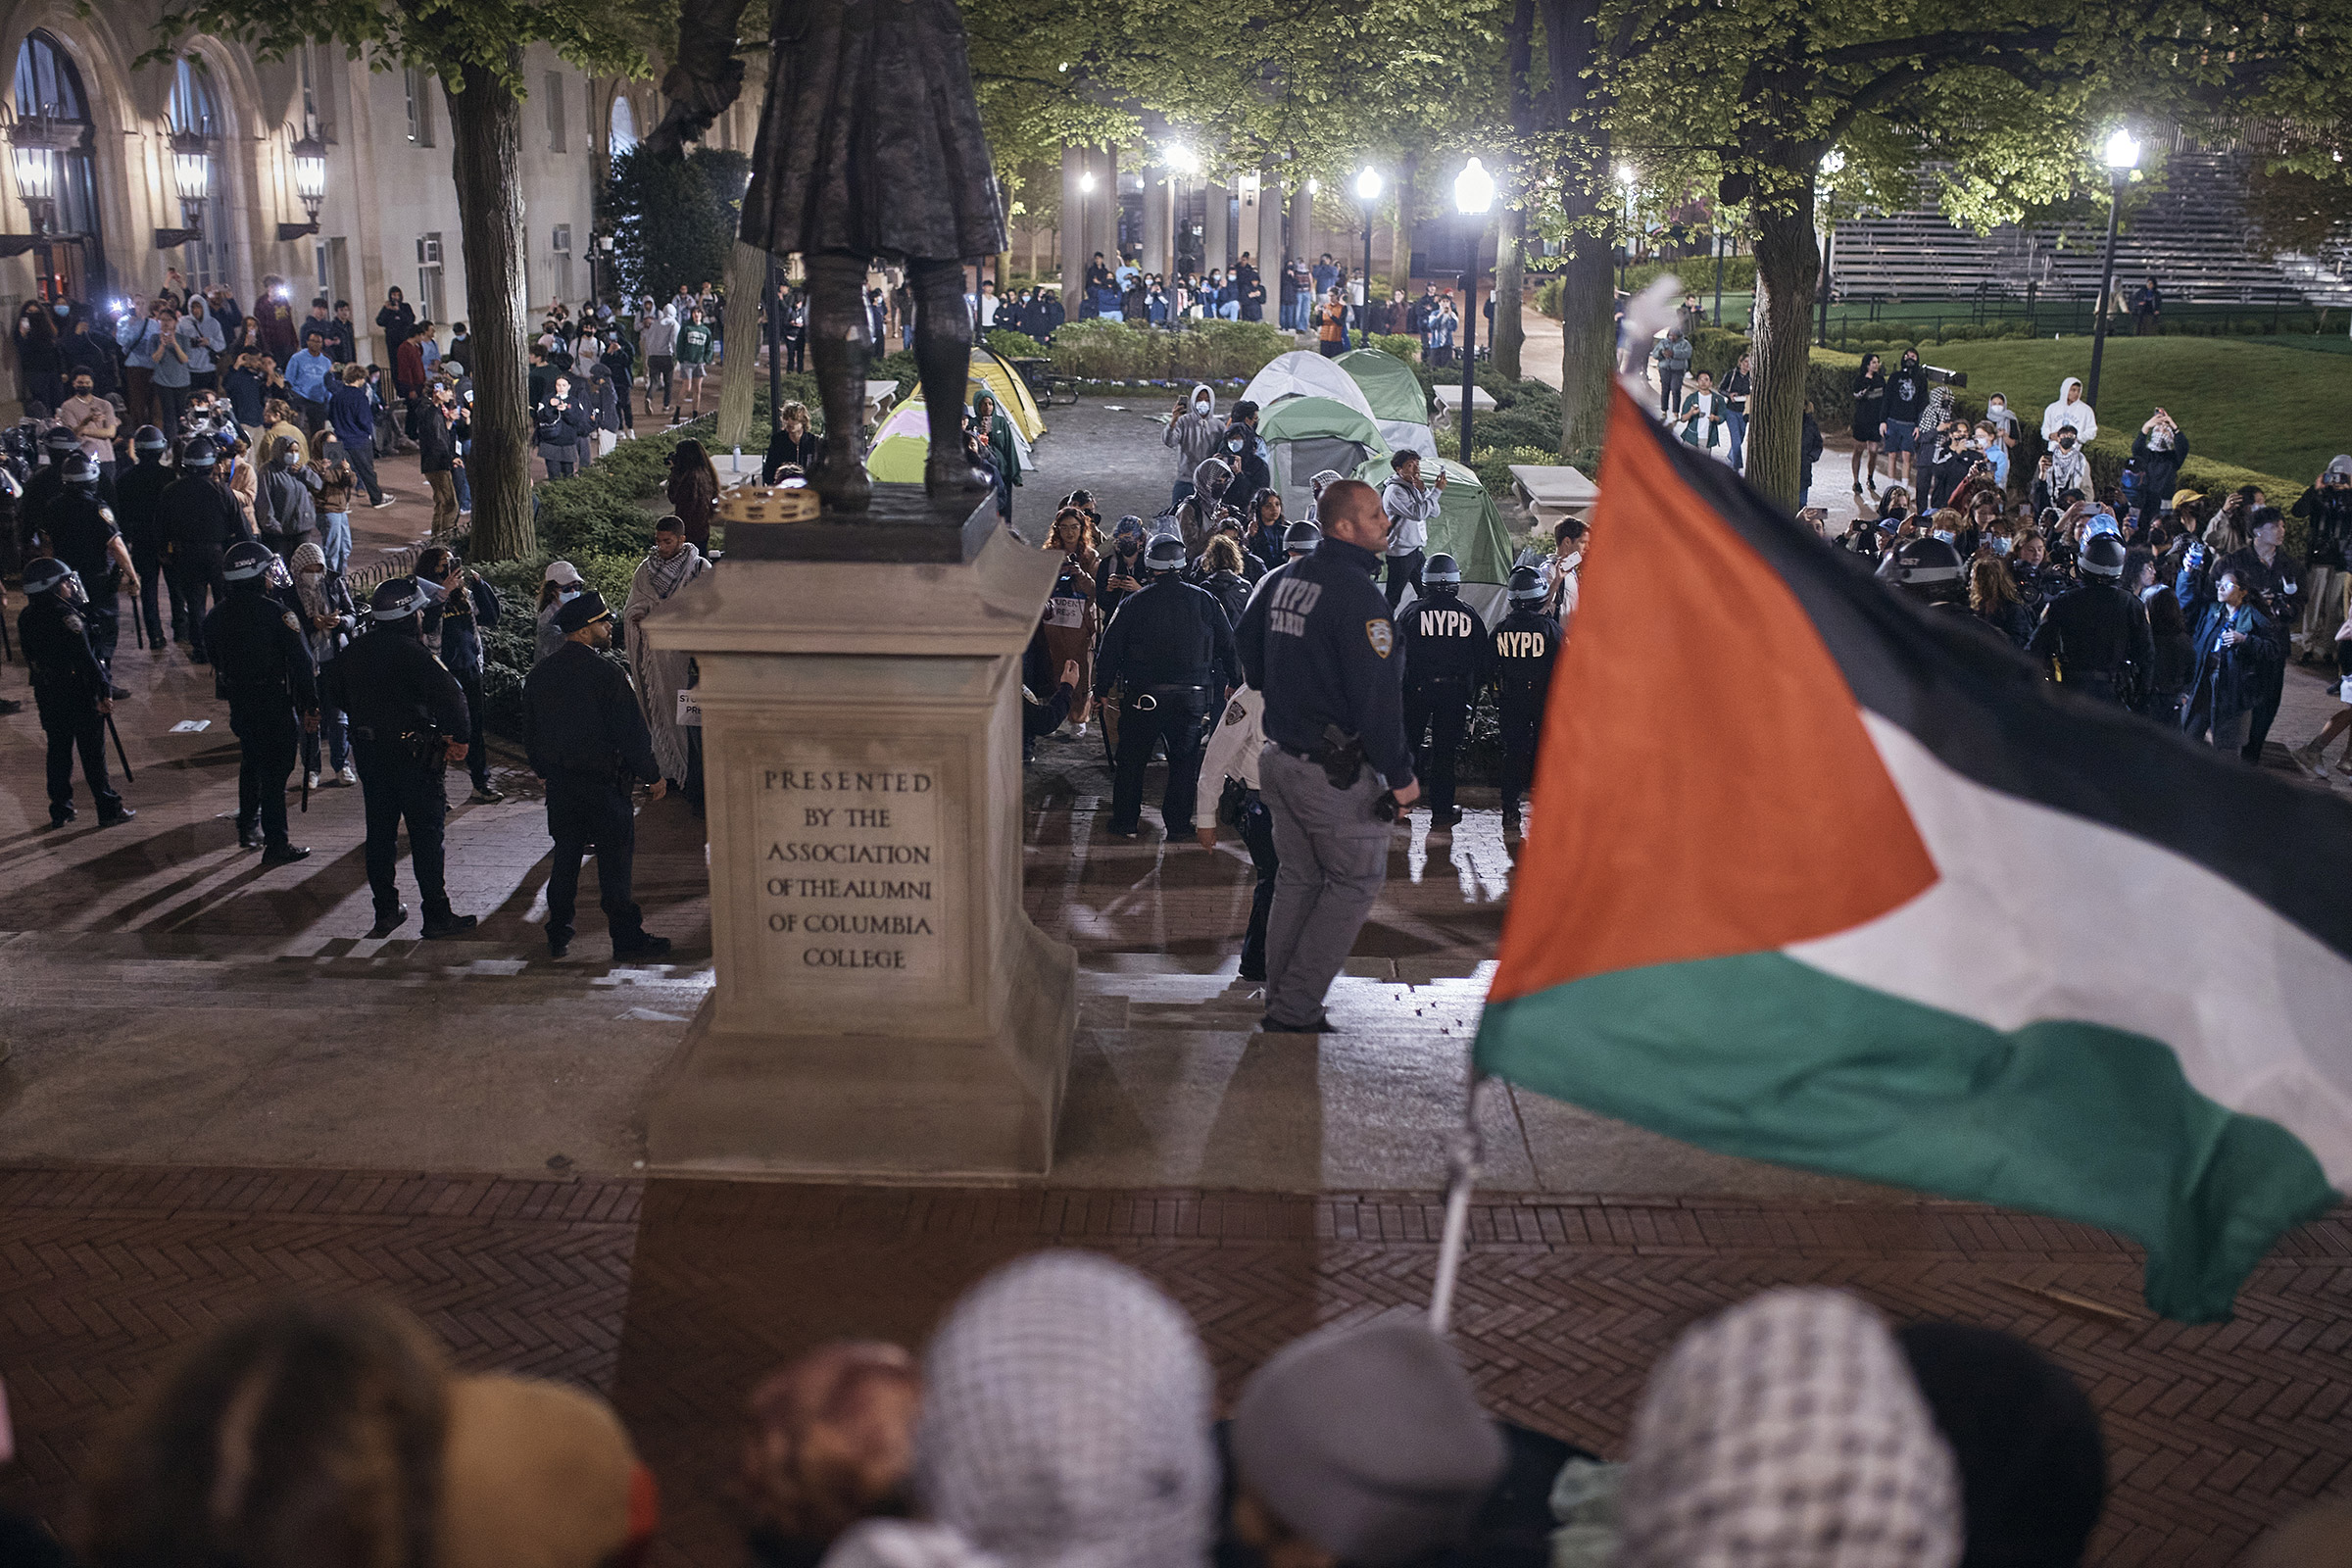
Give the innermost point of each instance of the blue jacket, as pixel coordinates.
(2236, 673)
(349, 412)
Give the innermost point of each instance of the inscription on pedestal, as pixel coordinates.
(851, 873)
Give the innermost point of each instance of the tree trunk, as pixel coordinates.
(1401, 261)
(485, 135)
(1787, 269)
(1587, 296)
(1510, 241)
(739, 329)
(1510, 275)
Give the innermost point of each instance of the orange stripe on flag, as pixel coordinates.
(1705, 786)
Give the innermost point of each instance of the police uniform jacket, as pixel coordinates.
(2093, 631)
(260, 655)
(1444, 639)
(1527, 647)
(199, 518)
(391, 685)
(67, 682)
(1318, 641)
(580, 718)
(138, 501)
(1167, 633)
(80, 529)
(41, 490)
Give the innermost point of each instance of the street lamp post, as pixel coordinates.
(1831, 162)
(2122, 156)
(1367, 193)
(1473, 194)
(1626, 181)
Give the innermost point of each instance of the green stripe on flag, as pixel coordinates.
(1769, 1057)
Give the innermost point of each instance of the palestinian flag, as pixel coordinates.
(1824, 877)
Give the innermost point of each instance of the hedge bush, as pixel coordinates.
(1403, 345)
(1015, 345)
(1114, 351)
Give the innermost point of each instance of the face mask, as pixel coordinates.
(1200, 406)
(62, 310)
(1233, 446)
(564, 596)
(2066, 443)
(1946, 535)
(1999, 408)
(2000, 546)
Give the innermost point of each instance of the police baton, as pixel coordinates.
(120, 756)
(305, 788)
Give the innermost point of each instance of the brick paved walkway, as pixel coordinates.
(671, 1296)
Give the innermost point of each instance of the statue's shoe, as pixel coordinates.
(843, 486)
(948, 474)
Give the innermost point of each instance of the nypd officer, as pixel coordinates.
(408, 720)
(261, 663)
(1526, 646)
(81, 534)
(68, 689)
(1446, 651)
(198, 520)
(1299, 542)
(47, 482)
(2096, 636)
(138, 495)
(1170, 649)
(586, 735)
(1319, 643)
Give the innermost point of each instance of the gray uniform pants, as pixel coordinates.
(1334, 855)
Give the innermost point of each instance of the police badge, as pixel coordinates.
(1382, 636)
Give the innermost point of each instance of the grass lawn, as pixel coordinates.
(2242, 401)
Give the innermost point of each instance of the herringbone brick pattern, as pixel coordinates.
(673, 1296)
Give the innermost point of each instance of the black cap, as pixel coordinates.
(2103, 556)
(397, 600)
(1302, 535)
(585, 610)
(1526, 585)
(1165, 553)
(246, 560)
(200, 453)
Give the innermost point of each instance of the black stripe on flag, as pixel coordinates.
(1987, 711)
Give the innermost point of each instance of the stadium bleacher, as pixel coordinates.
(2188, 232)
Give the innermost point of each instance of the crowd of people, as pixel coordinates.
(2183, 607)
(1064, 1411)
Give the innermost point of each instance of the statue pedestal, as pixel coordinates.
(884, 1006)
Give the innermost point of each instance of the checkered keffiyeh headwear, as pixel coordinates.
(1787, 1433)
(1065, 1421)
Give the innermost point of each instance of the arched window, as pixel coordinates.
(625, 125)
(197, 132)
(49, 88)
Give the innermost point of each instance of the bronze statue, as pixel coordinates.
(869, 147)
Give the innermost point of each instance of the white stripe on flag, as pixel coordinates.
(2039, 914)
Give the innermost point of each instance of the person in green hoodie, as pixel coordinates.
(990, 437)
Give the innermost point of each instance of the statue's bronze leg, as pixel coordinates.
(943, 351)
(839, 346)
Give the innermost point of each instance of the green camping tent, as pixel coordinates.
(1318, 418)
(1389, 383)
(1467, 527)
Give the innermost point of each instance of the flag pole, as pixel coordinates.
(1465, 1153)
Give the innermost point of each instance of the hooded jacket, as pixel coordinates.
(1192, 434)
(2078, 415)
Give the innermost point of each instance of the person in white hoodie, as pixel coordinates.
(1229, 775)
(2070, 409)
(1192, 433)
